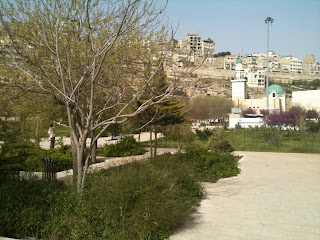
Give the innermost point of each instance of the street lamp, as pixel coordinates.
(267, 21)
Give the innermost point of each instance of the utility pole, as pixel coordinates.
(267, 21)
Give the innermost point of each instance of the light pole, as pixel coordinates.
(267, 21)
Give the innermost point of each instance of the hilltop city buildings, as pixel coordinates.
(192, 48)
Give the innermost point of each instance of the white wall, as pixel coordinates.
(238, 89)
(307, 99)
(246, 122)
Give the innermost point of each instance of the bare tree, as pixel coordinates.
(208, 107)
(89, 55)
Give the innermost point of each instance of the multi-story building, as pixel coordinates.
(250, 61)
(310, 66)
(274, 66)
(230, 62)
(192, 43)
(208, 48)
(255, 77)
(291, 64)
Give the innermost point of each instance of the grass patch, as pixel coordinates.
(62, 131)
(272, 140)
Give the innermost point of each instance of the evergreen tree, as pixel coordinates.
(160, 115)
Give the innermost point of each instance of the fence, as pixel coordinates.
(49, 168)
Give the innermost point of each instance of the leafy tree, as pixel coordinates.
(313, 114)
(88, 56)
(180, 133)
(162, 114)
(222, 54)
(314, 84)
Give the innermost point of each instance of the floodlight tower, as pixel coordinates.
(267, 21)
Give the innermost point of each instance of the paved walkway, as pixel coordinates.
(104, 163)
(144, 136)
(276, 197)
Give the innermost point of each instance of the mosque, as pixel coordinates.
(277, 96)
(277, 101)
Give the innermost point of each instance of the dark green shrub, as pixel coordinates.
(26, 207)
(203, 134)
(211, 165)
(62, 155)
(28, 158)
(223, 146)
(127, 146)
(142, 200)
(13, 159)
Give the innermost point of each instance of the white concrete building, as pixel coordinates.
(307, 99)
(291, 64)
(255, 77)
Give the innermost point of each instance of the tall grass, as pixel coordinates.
(145, 200)
(141, 200)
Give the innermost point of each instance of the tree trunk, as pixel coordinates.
(94, 146)
(155, 141)
(74, 160)
(73, 130)
(151, 142)
(94, 152)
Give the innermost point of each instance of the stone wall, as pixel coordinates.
(207, 71)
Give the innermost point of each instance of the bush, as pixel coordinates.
(203, 134)
(223, 146)
(211, 165)
(28, 158)
(249, 111)
(127, 146)
(142, 200)
(13, 159)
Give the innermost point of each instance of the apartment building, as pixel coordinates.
(192, 43)
(291, 64)
(310, 66)
(255, 77)
(274, 66)
(230, 62)
(250, 61)
(208, 48)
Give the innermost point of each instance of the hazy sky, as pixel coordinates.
(238, 25)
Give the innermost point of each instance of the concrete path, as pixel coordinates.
(144, 136)
(276, 197)
(104, 163)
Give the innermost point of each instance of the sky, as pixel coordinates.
(238, 25)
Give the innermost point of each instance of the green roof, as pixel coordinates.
(275, 88)
(239, 60)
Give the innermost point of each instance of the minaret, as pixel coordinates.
(238, 83)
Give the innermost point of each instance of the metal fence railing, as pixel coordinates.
(49, 168)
